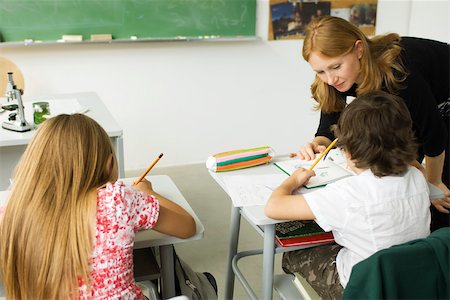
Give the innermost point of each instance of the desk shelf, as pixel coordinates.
(145, 265)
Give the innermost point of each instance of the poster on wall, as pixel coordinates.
(288, 18)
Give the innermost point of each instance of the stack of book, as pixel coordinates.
(301, 233)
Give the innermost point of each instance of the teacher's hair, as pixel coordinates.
(48, 226)
(376, 130)
(333, 37)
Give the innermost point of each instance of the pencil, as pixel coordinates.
(323, 154)
(148, 169)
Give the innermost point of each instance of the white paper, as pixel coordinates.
(248, 190)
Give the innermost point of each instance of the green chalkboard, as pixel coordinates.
(48, 20)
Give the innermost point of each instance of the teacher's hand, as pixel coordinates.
(443, 205)
(308, 151)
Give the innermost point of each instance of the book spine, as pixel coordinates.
(306, 240)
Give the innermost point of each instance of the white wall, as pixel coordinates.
(193, 99)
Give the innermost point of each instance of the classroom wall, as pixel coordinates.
(193, 99)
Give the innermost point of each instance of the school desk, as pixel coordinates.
(265, 227)
(13, 144)
(148, 239)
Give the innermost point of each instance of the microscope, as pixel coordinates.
(16, 120)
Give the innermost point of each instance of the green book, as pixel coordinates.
(297, 228)
(298, 233)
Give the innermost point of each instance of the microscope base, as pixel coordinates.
(17, 126)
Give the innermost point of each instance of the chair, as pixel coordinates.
(8, 66)
(415, 270)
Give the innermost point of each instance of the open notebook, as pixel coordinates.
(326, 171)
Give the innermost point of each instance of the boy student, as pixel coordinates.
(385, 204)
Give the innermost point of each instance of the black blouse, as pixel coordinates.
(426, 86)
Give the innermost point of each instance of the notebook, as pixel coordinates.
(326, 171)
(300, 233)
(329, 171)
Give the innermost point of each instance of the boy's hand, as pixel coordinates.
(301, 176)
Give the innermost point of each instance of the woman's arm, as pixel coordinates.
(282, 205)
(323, 137)
(173, 219)
(433, 173)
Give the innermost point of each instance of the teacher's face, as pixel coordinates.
(340, 72)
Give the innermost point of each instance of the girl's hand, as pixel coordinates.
(308, 151)
(443, 205)
(145, 186)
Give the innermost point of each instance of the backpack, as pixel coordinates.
(194, 285)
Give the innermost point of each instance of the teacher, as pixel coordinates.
(347, 63)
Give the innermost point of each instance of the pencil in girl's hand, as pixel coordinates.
(148, 169)
(323, 154)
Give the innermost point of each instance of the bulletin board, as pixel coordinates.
(49, 20)
(288, 18)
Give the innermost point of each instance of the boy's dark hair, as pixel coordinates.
(376, 129)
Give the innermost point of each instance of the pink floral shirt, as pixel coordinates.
(121, 212)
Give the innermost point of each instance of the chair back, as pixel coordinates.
(6, 66)
(415, 270)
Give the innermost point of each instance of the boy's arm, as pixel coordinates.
(282, 205)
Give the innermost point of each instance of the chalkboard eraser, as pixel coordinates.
(101, 37)
(72, 38)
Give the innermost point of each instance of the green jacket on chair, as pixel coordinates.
(415, 270)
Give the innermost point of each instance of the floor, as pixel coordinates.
(212, 206)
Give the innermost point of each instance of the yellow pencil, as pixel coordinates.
(148, 170)
(323, 154)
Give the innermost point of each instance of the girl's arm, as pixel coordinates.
(282, 205)
(173, 219)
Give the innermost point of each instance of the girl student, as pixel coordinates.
(68, 227)
(347, 63)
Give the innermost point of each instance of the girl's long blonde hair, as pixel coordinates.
(333, 37)
(47, 230)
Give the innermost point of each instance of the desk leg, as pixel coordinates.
(118, 147)
(167, 271)
(268, 262)
(233, 246)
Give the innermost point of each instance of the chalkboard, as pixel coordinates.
(48, 20)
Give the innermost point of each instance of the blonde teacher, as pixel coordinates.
(347, 63)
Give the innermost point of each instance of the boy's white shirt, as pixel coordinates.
(368, 213)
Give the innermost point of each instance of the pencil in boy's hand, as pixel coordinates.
(148, 170)
(323, 154)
